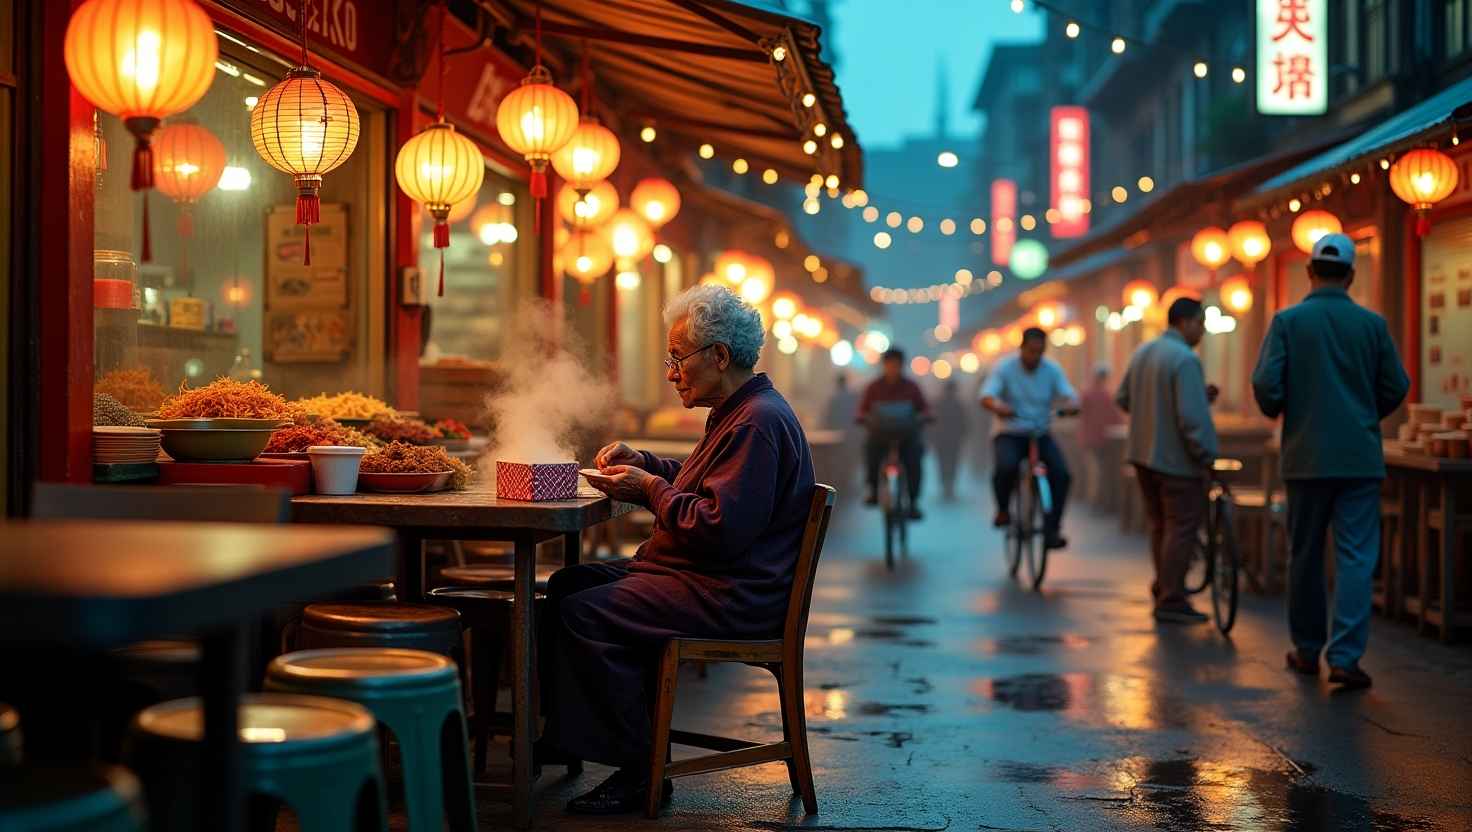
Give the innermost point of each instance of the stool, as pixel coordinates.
(381, 624)
(10, 738)
(416, 695)
(487, 614)
(70, 799)
(316, 755)
(493, 576)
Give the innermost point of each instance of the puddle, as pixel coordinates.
(880, 634)
(903, 620)
(885, 709)
(1128, 702)
(1031, 645)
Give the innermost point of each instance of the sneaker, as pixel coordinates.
(1055, 541)
(1349, 678)
(1302, 661)
(1001, 520)
(1183, 613)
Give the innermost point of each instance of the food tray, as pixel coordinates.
(404, 483)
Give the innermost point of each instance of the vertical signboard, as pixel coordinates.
(1004, 220)
(1292, 57)
(1068, 148)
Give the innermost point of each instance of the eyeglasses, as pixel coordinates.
(676, 362)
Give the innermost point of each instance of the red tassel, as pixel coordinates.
(308, 209)
(539, 184)
(142, 165)
(147, 237)
(442, 271)
(307, 253)
(537, 217)
(1423, 225)
(441, 234)
(186, 222)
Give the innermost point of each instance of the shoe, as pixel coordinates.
(1055, 541)
(871, 499)
(1302, 661)
(1001, 520)
(915, 514)
(1182, 614)
(620, 794)
(1349, 678)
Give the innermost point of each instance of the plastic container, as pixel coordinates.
(335, 468)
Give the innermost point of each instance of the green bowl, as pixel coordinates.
(215, 445)
(219, 424)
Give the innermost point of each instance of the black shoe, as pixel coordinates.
(1349, 678)
(1055, 541)
(620, 794)
(915, 514)
(1001, 520)
(1180, 614)
(1302, 661)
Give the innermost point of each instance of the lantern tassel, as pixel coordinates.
(441, 234)
(307, 251)
(442, 272)
(1423, 225)
(142, 165)
(186, 222)
(147, 237)
(585, 296)
(308, 209)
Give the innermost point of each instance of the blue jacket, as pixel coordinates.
(1329, 367)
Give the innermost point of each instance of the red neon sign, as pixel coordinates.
(1068, 148)
(1004, 220)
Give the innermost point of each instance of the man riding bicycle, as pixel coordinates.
(892, 409)
(1023, 391)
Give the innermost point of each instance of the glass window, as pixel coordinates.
(1454, 24)
(226, 291)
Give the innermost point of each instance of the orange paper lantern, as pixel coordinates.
(536, 119)
(438, 168)
(187, 163)
(589, 156)
(1250, 242)
(657, 200)
(1141, 294)
(1211, 247)
(1311, 225)
(1421, 179)
(1236, 294)
(588, 209)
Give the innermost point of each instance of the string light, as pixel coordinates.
(893, 219)
(914, 225)
(948, 226)
(810, 147)
(1146, 184)
(947, 159)
(1239, 75)
(820, 129)
(769, 176)
(1028, 222)
(808, 99)
(1199, 69)
(1119, 194)
(1072, 29)
(978, 226)
(707, 151)
(740, 166)
(836, 141)
(1117, 46)
(882, 240)
(871, 214)
(648, 134)
(1017, 6)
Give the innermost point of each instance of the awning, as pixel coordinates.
(707, 71)
(1432, 117)
(1182, 202)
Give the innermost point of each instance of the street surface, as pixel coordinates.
(944, 696)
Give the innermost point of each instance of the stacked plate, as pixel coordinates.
(125, 445)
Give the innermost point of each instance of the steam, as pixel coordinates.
(547, 397)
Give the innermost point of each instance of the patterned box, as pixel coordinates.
(536, 481)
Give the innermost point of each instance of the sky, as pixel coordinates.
(888, 51)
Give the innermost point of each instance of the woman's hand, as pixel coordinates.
(617, 454)
(624, 483)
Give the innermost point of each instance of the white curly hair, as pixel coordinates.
(718, 316)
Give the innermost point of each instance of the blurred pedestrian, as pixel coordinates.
(1172, 444)
(1330, 369)
(1097, 414)
(949, 436)
(893, 409)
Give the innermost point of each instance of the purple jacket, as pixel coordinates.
(729, 520)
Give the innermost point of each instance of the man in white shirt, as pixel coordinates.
(1023, 391)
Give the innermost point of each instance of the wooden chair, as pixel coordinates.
(781, 656)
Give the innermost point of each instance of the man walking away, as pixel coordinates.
(1172, 444)
(949, 436)
(1329, 368)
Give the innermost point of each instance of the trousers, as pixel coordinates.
(1175, 506)
(1351, 507)
(1010, 450)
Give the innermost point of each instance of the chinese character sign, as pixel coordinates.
(1004, 220)
(1068, 147)
(1292, 57)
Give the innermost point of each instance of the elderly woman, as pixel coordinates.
(728, 524)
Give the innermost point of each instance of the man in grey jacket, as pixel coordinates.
(1172, 445)
(1330, 369)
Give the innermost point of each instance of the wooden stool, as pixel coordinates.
(415, 694)
(318, 756)
(10, 737)
(382, 624)
(70, 799)
(782, 657)
(497, 576)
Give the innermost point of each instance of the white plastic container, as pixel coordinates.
(335, 468)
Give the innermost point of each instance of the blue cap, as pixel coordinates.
(1334, 248)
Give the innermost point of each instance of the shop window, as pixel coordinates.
(490, 267)
(226, 291)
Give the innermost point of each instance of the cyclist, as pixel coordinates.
(892, 409)
(1172, 443)
(1023, 390)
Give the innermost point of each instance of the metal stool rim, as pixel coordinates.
(361, 664)
(320, 720)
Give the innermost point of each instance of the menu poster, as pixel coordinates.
(1446, 313)
(308, 335)
(290, 283)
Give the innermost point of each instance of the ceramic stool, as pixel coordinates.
(416, 695)
(70, 799)
(382, 624)
(316, 755)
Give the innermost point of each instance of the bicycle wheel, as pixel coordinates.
(887, 508)
(902, 512)
(1225, 562)
(1199, 571)
(1037, 549)
(1016, 534)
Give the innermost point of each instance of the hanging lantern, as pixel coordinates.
(657, 201)
(1421, 179)
(1211, 247)
(438, 168)
(629, 235)
(142, 61)
(494, 224)
(1140, 294)
(586, 256)
(731, 266)
(785, 306)
(1250, 242)
(759, 279)
(590, 155)
(1236, 294)
(536, 119)
(588, 209)
(1311, 225)
(187, 162)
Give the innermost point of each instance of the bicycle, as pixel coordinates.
(1217, 562)
(897, 423)
(1031, 503)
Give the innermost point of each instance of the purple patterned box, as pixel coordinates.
(536, 481)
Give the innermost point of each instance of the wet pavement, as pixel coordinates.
(944, 696)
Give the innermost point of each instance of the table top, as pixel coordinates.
(476, 508)
(1396, 458)
(115, 582)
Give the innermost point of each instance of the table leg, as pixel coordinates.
(1448, 554)
(572, 548)
(523, 654)
(222, 681)
(409, 583)
(1423, 548)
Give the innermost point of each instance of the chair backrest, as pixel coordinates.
(806, 572)
(204, 504)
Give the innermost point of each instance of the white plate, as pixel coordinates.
(594, 474)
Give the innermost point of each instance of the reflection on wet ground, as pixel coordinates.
(1134, 702)
(1031, 645)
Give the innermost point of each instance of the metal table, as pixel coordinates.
(477, 514)
(97, 585)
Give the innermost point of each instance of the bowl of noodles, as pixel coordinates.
(401, 468)
(224, 421)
